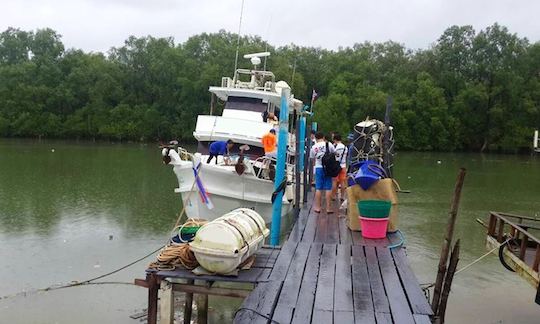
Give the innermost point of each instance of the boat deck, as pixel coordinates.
(522, 253)
(323, 273)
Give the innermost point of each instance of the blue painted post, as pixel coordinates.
(283, 138)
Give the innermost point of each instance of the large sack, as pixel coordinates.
(383, 189)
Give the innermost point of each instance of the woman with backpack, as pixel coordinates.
(323, 154)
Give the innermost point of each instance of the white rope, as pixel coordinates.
(480, 258)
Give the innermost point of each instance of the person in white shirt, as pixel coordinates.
(322, 182)
(341, 156)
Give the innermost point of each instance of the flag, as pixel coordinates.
(205, 198)
(314, 95)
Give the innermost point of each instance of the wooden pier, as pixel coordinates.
(521, 247)
(323, 273)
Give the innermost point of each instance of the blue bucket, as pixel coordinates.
(368, 174)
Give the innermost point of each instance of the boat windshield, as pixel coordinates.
(248, 104)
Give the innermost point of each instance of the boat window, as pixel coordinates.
(242, 103)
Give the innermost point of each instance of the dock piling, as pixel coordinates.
(188, 306)
(443, 261)
(452, 266)
(280, 165)
(166, 303)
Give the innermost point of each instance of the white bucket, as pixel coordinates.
(221, 245)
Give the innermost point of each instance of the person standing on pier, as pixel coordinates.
(341, 157)
(323, 183)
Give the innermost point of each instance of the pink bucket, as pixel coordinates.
(373, 228)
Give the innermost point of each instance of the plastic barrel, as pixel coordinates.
(374, 208)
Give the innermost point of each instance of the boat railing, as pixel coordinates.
(518, 229)
(265, 161)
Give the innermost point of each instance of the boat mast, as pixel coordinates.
(238, 39)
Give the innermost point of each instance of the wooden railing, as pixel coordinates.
(519, 232)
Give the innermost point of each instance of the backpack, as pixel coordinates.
(331, 166)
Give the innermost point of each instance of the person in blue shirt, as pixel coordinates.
(219, 148)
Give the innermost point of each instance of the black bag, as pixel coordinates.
(331, 166)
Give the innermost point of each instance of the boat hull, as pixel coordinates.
(226, 189)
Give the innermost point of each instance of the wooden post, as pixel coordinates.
(153, 287)
(537, 299)
(387, 157)
(454, 258)
(166, 303)
(307, 162)
(523, 248)
(492, 224)
(188, 306)
(537, 258)
(202, 308)
(447, 240)
(501, 231)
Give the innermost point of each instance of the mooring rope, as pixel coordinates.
(429, 285)
(175, 255)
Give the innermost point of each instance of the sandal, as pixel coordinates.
(329, 212)
(317, 211)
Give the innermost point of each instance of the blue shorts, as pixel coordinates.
(322, 182)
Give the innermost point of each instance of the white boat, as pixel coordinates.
(247, 96)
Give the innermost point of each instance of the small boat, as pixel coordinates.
(244, 179)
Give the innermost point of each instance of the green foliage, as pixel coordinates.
(469, 91)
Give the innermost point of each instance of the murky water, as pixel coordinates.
(58, 211)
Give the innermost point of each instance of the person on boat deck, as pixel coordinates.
(341, 157)
(323, 183)
(269, 117)
(269, 142)
(219, 148)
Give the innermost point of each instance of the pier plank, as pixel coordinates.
(344, 233)
(306, 297)
(396, 295)
(384, 318)
(421, 319)
(262, 300)
(380, 300)
(362, 297)
(283, 261)
(322, 317)
(322, 225)
(311, 227)
(343, 291)
(332, 231)
(291, 286)
(343, 317)
(417, 299)
(324, 296)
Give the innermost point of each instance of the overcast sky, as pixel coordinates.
(97, 25)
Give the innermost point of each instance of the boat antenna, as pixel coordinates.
(266, 45)
(238, 39)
